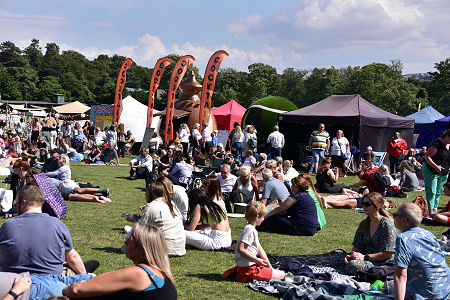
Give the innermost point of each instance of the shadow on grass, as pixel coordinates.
(118, 229)
(210, 277)
(108, 250)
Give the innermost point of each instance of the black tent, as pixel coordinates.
(362, 122)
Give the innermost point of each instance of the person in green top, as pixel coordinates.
(317, 199)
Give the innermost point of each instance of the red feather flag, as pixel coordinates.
(157, 73)
(121, 80)
(177, 75)
(209, 80)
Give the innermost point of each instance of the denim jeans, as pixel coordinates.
(45, 286)
(238, 147)
(275, 152)
(317, 156)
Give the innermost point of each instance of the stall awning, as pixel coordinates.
(72, 108)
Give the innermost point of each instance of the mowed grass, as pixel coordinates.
(97, 233)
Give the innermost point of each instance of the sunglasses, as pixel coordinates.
(367, 204)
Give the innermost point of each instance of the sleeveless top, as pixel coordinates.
(324, 181)
(159, 289)
(246, 189)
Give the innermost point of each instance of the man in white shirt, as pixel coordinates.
(206, 139)
(276, 141)
(140, 165)
(227, 181)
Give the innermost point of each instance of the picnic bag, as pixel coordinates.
(422, 203)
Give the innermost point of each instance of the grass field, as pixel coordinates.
(97, 232)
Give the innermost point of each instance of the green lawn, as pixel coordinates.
(97, 232)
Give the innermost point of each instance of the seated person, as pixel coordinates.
(274, 189)
(52, 163)
(327, 178)
(368, 154)
(289, 172)
(421, 271)
(367, 179)
(227, 182)
(384, 170)
(41, 143)
(140, 165)
(148, 278)
(443, 216)
(317, 199)
(208, 226)
(107, 155)
(166, 160)
(408, 178)
(69, 189)
(199, 158)
(251, 259)
(177, 194)
(233, 163)
(297, 215)
(247, 185)
(249, 161)
(99, 136)
(374, 241)
(95, 151)
(13, 285)
(181, 171)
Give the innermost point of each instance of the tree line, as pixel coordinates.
(37, 74)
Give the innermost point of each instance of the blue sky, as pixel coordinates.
(301, 34)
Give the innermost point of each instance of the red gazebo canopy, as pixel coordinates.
(227, 114)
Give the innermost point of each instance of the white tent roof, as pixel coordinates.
(134, 117)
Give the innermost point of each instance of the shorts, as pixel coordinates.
(317, 154)
(259, 273)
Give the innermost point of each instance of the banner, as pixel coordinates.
(177, 75)
(157, 73)
(121, 80)
(209, 80)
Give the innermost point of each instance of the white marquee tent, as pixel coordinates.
(134, 117)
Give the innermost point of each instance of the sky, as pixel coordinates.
(299, 34)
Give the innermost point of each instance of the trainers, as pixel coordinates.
(106, 193)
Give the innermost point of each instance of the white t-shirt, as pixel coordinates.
(181, 199)
(184, 136)
(206, 135)
(100, 137)
(335, 150)
(228, 183)
(157, 213)
(196, 134)
(249, 236)
(276, 139)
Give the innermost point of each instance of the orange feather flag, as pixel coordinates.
(177, 75)
(157, 73)
(121, 80)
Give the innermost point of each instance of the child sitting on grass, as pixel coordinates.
(249, 265)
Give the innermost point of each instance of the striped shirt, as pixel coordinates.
(320, 139)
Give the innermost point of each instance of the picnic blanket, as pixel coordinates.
(334, 259)
(301, 287)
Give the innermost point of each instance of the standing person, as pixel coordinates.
(99, 136)
(237, 142)
(251, 140)
(276, 141)
(395, 148)
(35, 130)
(183, 135)
(121, 139)
(111, 135)
(319, 143)
(249, 265)
(34, 241)
(420, 268)
(206, 140)
(436, 168)
(340, 149)
(196, 137)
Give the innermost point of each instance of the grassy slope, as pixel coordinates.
(97, 234)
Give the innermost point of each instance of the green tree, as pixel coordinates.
(11, 55)
(9, 87)
(34, 54)
(52, 64)
(439, 89)
(48, 87)
(292, 85)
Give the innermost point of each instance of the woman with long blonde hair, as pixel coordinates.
(237, 142)
(148, 278)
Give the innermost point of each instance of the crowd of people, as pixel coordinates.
(193, 184)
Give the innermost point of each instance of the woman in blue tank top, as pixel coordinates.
(148, 278)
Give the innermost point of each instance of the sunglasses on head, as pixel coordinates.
(367, 204)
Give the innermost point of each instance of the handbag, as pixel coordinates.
(345, 155)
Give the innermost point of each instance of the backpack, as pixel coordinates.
(252, 143)
(383, 181)
(423, 204)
